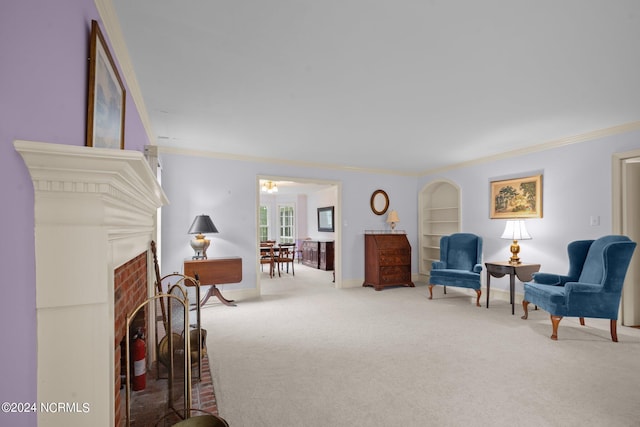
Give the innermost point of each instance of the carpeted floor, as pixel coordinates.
(307, 354)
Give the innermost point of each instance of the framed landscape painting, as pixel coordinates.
(107, 96)
(516, 198)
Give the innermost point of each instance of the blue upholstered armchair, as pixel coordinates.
(592, 288)
(460, 263)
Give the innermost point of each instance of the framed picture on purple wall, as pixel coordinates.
(107, 96)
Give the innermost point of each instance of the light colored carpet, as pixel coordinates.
(307, 354)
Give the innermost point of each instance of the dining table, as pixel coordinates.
(274, 250)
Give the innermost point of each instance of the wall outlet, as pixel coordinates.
(594, 220)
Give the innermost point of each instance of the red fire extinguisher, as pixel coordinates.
(139, 356)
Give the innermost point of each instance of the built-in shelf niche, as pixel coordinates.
(439, 204)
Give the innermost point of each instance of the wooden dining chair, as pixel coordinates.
(286, 255)
(267, 256)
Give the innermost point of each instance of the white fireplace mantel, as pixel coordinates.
(95, 209)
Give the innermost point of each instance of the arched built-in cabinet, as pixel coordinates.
(439, 204)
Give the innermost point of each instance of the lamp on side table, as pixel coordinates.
(202, 225)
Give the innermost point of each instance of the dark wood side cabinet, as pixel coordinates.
(325, 261)
(318, 254)
(310, 253)
(387, 260)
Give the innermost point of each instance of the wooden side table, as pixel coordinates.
(214, 271)
(524, 273)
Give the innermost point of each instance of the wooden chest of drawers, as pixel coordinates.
(387, 260)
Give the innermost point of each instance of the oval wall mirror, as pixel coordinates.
(379, 202)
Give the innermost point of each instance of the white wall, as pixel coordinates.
(302, 221)
(576, 186)
(227, 191)
(320, 199)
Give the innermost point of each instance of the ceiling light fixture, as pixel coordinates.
(269, 187)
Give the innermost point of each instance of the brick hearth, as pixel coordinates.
(150, 404)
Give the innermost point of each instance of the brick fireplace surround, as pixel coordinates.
(149, 405)
(95, 210)
(130, 290)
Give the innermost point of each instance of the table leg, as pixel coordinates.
(213, 290)
(512, 290)
(488, 286)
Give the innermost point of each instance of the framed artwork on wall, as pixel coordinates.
(379, 202)
(325, 219)
(107, 96)
(516, 198)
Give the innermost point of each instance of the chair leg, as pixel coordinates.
(614, 328)
(478, 292)
(582, 321)
(525, 307)
(555, 321)
(430, 291)
(445, 290)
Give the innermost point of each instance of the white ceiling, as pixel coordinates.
(404, 85)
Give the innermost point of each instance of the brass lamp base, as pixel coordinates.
(200, 245)
(515, 250)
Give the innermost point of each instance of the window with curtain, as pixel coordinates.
(264, 223)
(287, 230)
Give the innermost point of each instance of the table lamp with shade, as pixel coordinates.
(202, 225)
(515, 230)
(392, 219)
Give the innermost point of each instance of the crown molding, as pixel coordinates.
(583, 137)
(299, 163)
(116, 39)
(575, 139)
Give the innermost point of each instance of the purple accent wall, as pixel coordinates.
(44, 48)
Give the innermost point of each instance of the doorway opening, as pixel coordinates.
(290, 215)
(626, 221)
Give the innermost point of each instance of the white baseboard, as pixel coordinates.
(352, 283)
